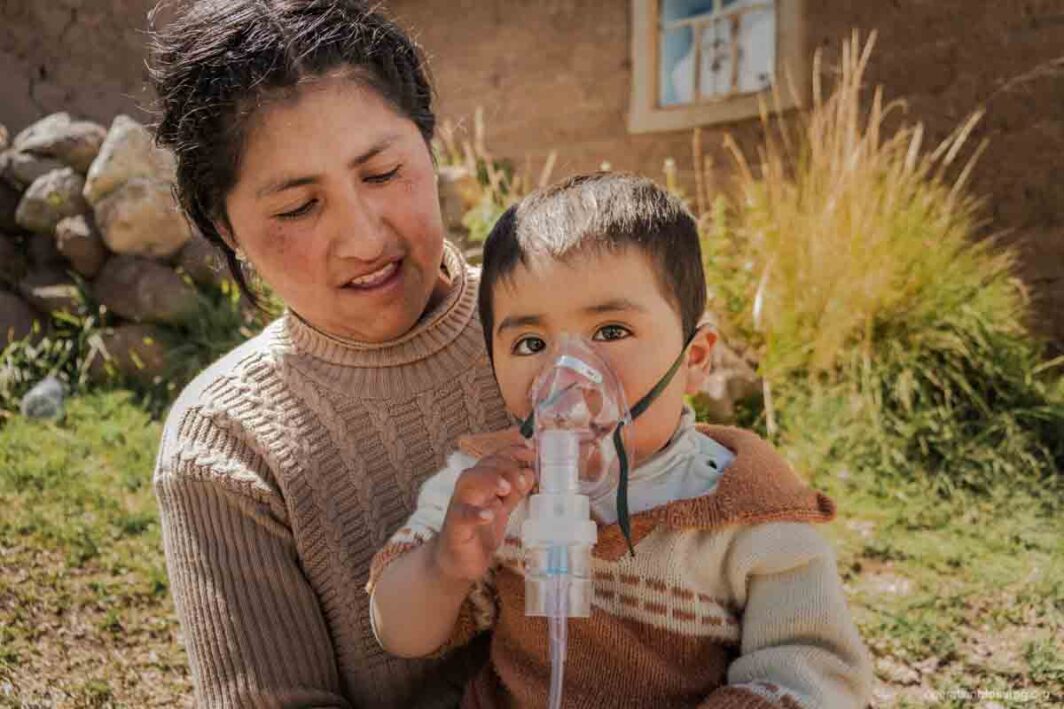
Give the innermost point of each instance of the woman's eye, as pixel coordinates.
(299, 211)
(609, 333)
(382, 177)
(528, 346)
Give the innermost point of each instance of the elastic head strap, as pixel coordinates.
(623, 518)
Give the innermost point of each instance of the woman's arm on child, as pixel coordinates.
(798, 641)
(416, 599)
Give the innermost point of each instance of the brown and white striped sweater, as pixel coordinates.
(732, 599)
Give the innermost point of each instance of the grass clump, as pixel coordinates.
(496, 184)
(889, 339)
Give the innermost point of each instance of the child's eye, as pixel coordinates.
(382, 177)
(529, 345)
(300, 211)
(608, 333)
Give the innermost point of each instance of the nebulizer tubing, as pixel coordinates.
(558, 536)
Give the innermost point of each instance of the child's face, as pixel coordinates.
(612, 299)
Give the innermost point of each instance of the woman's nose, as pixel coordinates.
(359, 232)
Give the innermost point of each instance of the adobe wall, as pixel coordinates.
(81, 56)
(554, 74)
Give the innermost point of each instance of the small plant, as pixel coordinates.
(62, 352)
(497, 184)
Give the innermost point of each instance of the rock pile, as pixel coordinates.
(80, 202)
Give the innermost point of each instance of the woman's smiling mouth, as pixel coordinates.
(381, 277)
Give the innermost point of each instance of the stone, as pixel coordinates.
(43, 253)
(203, 262)
(141, 218)
(74, 143)
(134, 352)
(730, 380)
(44, 400)
(12, 262)
(17, 318)
(51, 291)
(79, 241)
(9, 199)
(144, 290)
(19, 170)
(127, 153)
(49, 199)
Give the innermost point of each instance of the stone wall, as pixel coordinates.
(554, 74)
(87, 218)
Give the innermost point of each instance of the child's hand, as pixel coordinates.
(483, 499)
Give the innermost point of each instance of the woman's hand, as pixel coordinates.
(484, 497)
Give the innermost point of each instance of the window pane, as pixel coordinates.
(715, 78)
(682, 9)
(676, 79)
(757, 44)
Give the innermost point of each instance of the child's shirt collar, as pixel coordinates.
(687, 467)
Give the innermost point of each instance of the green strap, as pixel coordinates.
(622, 489)
(640, 406)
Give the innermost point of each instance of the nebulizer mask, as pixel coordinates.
(578, 404)
(578, 422)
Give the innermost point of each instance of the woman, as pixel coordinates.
(301, 130)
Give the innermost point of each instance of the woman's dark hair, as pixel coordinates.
(212, 65)
(603, 211)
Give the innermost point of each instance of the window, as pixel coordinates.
(699, 62)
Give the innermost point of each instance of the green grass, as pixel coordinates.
(85, 616)
(952, 596)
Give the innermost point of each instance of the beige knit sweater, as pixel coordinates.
(282, 469)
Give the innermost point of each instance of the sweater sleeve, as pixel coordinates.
(480, 609)
(799, 646)
(252, 624)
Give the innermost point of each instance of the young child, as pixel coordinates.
(731, 598)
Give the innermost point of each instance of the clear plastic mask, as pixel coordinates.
(579, 392)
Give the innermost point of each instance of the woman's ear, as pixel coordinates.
(699, 359)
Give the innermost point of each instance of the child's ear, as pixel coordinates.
(699, 359)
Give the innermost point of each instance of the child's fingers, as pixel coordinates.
(464, 522)
(521, 481)
(519, 452)
(480, 484)
(471, 516)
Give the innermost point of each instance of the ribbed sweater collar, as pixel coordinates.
(437, 328)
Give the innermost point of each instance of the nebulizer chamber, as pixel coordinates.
(577, 404)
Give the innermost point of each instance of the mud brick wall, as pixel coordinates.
(555, 74)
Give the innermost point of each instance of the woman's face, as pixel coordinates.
(336, 207)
